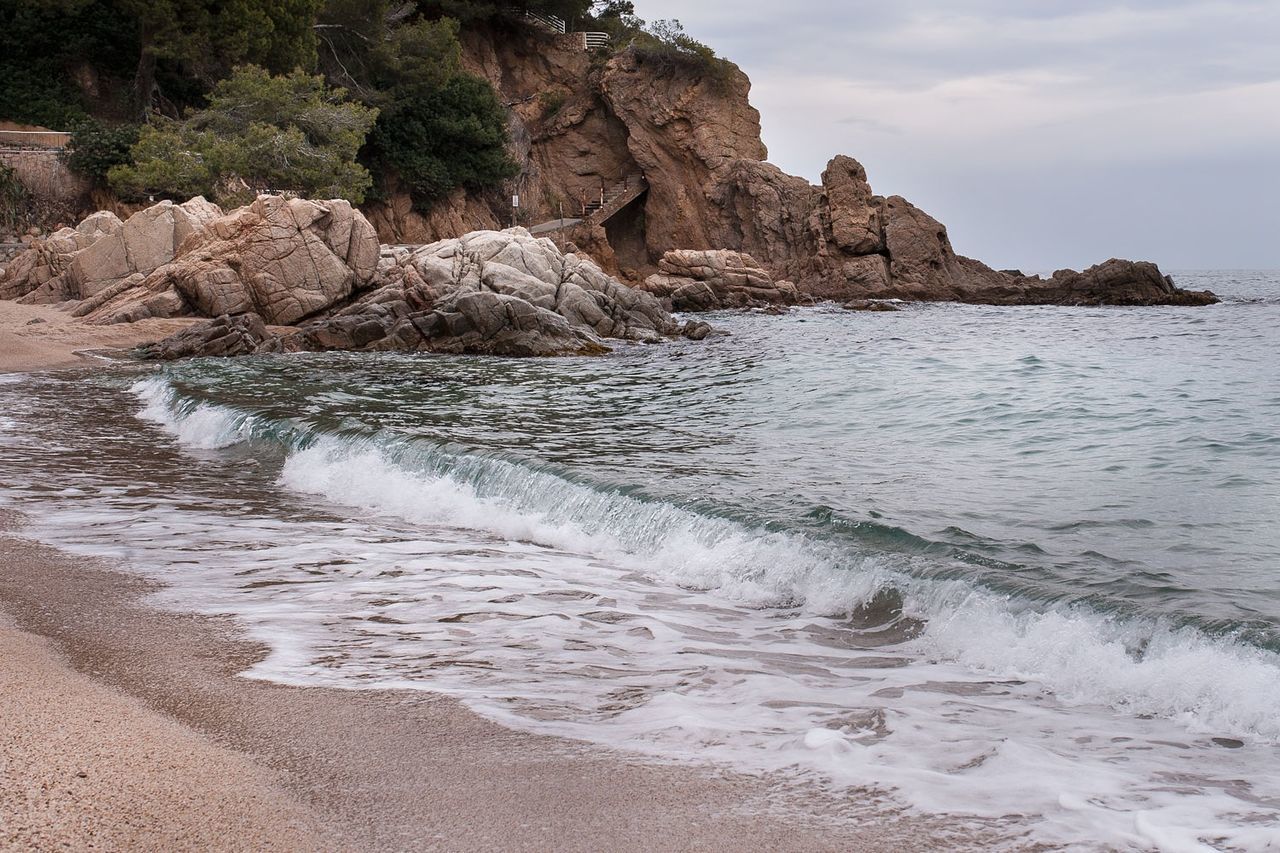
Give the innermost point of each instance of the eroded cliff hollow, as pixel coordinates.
(581, 123)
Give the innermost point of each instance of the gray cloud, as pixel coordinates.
(1003, 115)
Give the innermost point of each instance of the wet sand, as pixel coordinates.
(178, 752)
(40, 337)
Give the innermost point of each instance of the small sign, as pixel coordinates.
(515, 201)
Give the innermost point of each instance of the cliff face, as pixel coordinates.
(581, 124)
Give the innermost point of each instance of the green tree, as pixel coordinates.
(665, 44)
(258, 133)
(438, 129)
(205, 38)
(42, 42)
(378, 55)
(439, 140)
(470, 11)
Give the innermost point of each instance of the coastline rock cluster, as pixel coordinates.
(282, 259)
(294, 275)
(492, 293)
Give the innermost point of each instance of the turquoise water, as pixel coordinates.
(1020, 564)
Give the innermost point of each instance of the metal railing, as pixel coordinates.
(559, 26)
(40, 139)
(549, 22)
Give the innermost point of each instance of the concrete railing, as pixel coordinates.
(34, 139)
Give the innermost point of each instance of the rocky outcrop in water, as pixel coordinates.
(495, 293)
(492, 293)
(692, 280)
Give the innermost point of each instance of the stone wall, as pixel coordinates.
(45, 176)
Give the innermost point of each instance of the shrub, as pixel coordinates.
(258, 133)
(552, 103)
(15, 201)
(96, 148)
(666, 44)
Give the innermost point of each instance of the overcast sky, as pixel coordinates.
(1043, 133)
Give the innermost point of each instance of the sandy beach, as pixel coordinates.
(42, 337)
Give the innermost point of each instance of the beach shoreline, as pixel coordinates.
(322, 768)
(43, 337)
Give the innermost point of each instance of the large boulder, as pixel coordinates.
(143, 243)
(693, 280)
(48, 260)
(282, 259)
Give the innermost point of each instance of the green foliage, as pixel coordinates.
(208, 37)
(43, 45)
(665, 44)
(438, 129)
(378, 60)
(60, 57)
(488, 11)
(451, 137)
(170, 160)
(258, 133)
(618, 19)
(96, 148)
(552, 103)
(15, 201)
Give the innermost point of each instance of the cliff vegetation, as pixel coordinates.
(171, 98)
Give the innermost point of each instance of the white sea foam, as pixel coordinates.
(196, 425)
(1210, 686)
(554, 605)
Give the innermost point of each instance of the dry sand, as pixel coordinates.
(83, 766)
(38, 337)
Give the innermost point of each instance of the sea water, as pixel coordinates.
(1018, 566)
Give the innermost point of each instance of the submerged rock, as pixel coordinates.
(870, 305)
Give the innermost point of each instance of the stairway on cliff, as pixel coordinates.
(600, 211)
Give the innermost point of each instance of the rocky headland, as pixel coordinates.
(696, 143)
